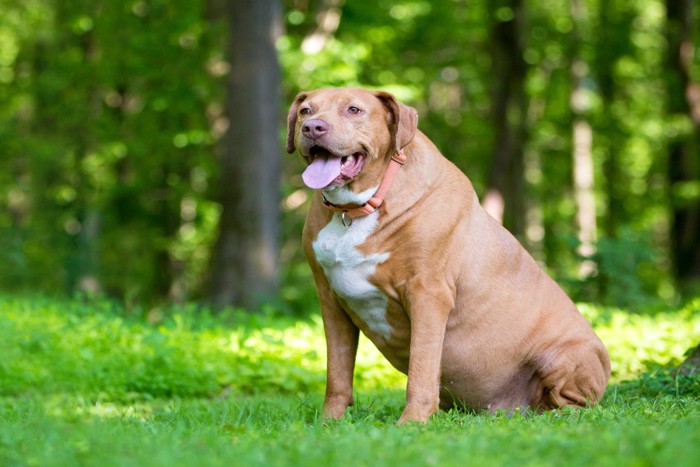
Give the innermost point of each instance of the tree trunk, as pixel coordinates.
(611, 44)
(504, 198)
(244, 268)
(684, 163)
(327, 22)
(582, 138)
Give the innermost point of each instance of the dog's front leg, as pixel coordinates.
(429, 311)
(341, 350)
(341, 347)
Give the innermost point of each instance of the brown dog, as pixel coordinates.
(408, 256)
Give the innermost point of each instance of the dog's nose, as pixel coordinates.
(315, 128)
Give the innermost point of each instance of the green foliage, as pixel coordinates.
(111, 152)
(626, 265)
(626, 273)
(666, 381)
(82, 383)
(110, 114)
(93, 349)
(638, 340)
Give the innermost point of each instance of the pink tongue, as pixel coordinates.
(322, 171)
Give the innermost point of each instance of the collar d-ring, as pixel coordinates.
(345, 219)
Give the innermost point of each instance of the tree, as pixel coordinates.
(110, 114)
(244, 265)
(504, 198)
(683, 163)
(612, 42)
(582, 138)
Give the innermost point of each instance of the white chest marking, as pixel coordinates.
(348, 270)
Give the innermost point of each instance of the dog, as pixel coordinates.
(401, 250)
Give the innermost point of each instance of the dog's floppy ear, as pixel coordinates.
(292, 120)
(404, 119)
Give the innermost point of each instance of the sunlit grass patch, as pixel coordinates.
(58, 346)
(641, 342)
(68, 347)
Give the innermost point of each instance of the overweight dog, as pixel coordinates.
(401, 250)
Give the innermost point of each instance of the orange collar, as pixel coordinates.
(349, 212)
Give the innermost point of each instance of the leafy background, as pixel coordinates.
(112, 113)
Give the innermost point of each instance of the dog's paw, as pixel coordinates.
(333, 410)
(416, 414)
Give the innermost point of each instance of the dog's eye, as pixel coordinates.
(354, 110)
(305, 111)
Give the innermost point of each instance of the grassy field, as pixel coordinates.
(84, 383)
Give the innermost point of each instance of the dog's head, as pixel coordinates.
(348, 135)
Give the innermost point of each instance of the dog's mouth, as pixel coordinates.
(327, 169)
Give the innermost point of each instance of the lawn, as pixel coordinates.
(87, 383)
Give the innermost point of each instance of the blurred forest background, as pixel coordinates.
(141, 141)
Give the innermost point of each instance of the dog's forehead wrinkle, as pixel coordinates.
(332, 97)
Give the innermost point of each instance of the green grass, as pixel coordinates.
(80, 384)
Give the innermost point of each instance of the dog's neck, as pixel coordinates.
(344, 195)
(367, 204)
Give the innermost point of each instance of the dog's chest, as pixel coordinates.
(349, 271)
